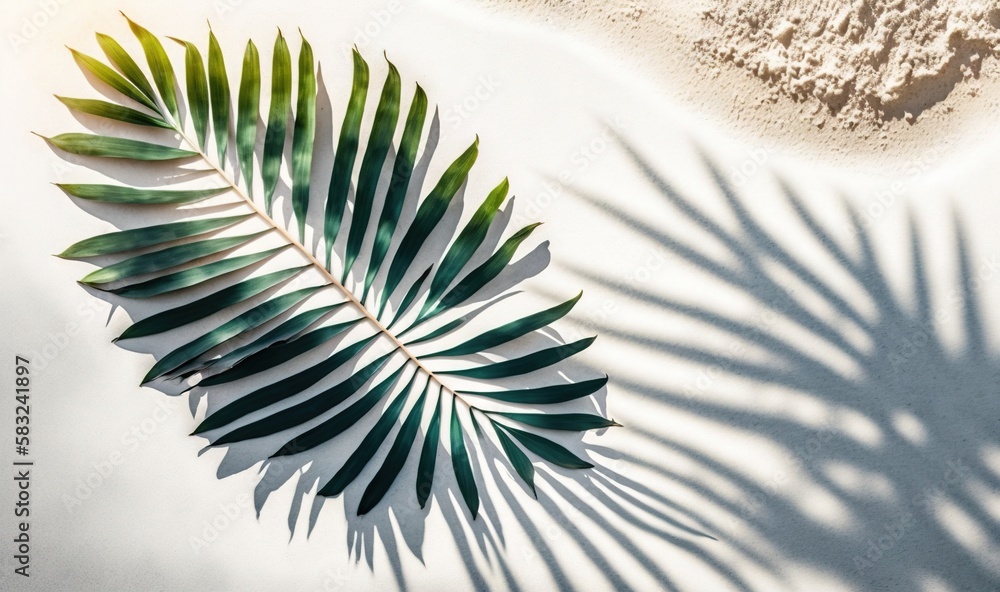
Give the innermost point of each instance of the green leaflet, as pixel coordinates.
(218, 92)
(442, 330)
(461, 465)
(279, 353)
(347, 150)
(115, 80)
(197, 90)
(428, 454)
(281, 333)
(247, 111)
(374, 438)
(386, 116)
(193, 276)
(402, 169)
(518, 459)
(250, 319)
(545, 395)
(277, 118)
(396, 457)
(107, 147)
(408, 298)
(510, 331)
(133, 195)
(203, 307)
(465, 246)
(303, 136)
(547, 449)
(113, 111)
(311, 408)
(571, 422)
(428, 215)
(524, 364)
(289, 387)
(165, 258)
(159, 65)
(484, 274)
(125, 240)
(124, 62)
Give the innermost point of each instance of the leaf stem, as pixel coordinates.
(400, 346)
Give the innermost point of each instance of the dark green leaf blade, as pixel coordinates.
(548, 450)
(248, 109)
(108, 147)
(428, 215)
(309, 409)
(299, 413)
(402, 169)
(281, 333)
(279, 354)
(407, 300)
(428, 454)
(484, 274)
(124, 62)
(545, 395)
(165, 258)
(383, 128)
(138, 238)
(277, 118)
(194, 276)
(396, 457)
(511, 330)
(442, 330)
(518, 459)
(211, 304)
(246, 321)
(347, 150)
(570, 422)
(524, 364)
(218, 90)
(159, 65)
(108, 76)
(113, 111)
(138, 195)
(288, 387)
(197, 90)
(464, 246)
(373, 439)
(461, 465)
(303, 136)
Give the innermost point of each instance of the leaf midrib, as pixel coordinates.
(400, 346)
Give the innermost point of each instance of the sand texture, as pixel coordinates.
(872, 84)
(870, 59)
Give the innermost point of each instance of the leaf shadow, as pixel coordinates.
(899, 464)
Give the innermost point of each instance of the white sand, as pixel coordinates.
(872, 84)
(719, 444)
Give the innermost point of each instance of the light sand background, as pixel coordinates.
(779, 393)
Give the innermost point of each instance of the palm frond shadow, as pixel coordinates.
(895, 486)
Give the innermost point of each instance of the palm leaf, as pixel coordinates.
(262, 325)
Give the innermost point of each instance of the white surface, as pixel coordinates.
(704, 462)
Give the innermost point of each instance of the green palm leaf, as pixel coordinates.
(256, 333)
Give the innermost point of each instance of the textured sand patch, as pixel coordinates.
(874, 59)
(900, 81)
